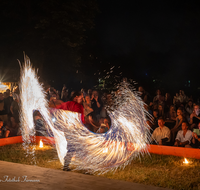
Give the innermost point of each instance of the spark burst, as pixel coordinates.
(94, 152)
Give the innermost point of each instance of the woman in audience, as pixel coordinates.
(177, 127)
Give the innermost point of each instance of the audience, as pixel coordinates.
(93, 105)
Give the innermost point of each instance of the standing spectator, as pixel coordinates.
(87, 105)
(161, 134)
(177, 127)
(9, 101)
(96, 104)
(14, 108)
(3, 111)
(64, 94)
(184, 136)
(195, 117)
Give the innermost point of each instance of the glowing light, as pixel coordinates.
(41, 144)
(185, 161)
(2, 87)
(93, 152)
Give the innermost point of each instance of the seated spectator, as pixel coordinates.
(168, 102)
(176, 100)
(144, 95)
(161, 111)
(189, 107)
(104, 127)
(184, 136)
(158, 99)
(195, 117)
(154, 120)
(172, 113)
(4, 132)
(196, 137)
(161, 134)
(177, 127)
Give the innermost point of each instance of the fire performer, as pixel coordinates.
(76, 106)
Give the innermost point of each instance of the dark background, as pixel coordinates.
(155, 43)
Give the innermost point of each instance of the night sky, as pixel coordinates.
(155, 43)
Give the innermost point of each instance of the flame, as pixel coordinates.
(41, 144)
(185, 161)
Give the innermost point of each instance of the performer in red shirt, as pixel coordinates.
(74, 105)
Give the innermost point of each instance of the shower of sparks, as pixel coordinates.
(127, 138)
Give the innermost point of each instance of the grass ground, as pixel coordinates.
(157, 170)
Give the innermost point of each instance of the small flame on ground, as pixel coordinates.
(185, 161)
(41, 144)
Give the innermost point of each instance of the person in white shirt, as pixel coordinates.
(184, 136)
(161, 134)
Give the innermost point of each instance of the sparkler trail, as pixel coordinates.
(127, 137)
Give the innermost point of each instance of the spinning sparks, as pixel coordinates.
(127, 137)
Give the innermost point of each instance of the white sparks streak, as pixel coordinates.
(93, 152)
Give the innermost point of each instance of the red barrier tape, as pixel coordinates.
(154, 149)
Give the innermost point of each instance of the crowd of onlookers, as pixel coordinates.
(9, 113)
(173, 121)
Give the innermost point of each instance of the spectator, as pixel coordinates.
(144, 95)
(9, 101)
(96, 104)
(168, 102)
(14, 108)
(184, 136)
(161, 134)
(87, 105)
(154, 120)
(172, 113)
(54, 101)
(64, 94)
(189, 107)
(196, 137)
(195, 117)
(3, 106)
(177, 127)
(4, 132)
(158, 99)
(161, 111)
(176, 100)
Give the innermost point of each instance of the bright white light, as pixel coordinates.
(41, 144)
